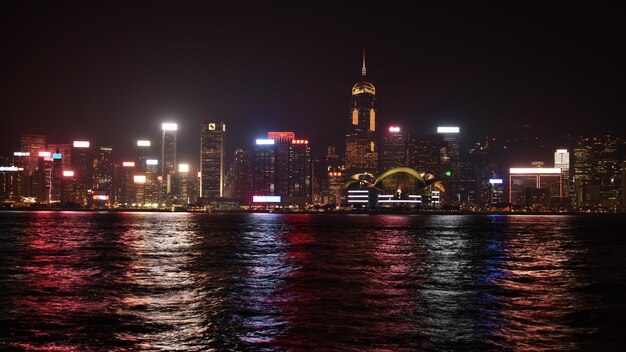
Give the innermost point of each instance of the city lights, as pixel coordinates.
(300, 141)
(57, 156)
(183, 167)
(394, 129)
(266, 199)
(262, 141)
(81, 144)
(44, 154)
(152, 162)
(444, 129)
(128, 164)
(169, 126)
(495, 181)
(143, 143)
(139, 178)
(68, 173)
(534, 170)
(11, 168)
(21, 154)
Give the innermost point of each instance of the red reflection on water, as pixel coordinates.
(58, 282)
(335, 297)
(535, 313)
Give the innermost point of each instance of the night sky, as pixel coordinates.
(112, 72)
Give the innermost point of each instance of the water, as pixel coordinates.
(197, 282)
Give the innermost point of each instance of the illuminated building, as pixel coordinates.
(56, 177)
(12, 177)
(82, 165)
(597, 172)
(450, 159)
(65, 150)
(152, 187)
(329, 177)
(168, 154)
(361, 148)
(103, 172)
(583, 161)
(144, 147)
(534, 187)
(561, 161)
(140, 189)
(212, 159)
(282, 145)
(33, 144)
(184, 184)
(263, 175)
(496, 191)
(394, 149)
(69, 187)
(300, 173)
(242, 174)
(125, 180)
(42, 177)
(423, 153)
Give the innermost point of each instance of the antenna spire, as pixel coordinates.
(363, 69)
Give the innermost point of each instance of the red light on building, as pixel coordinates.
(281, 135)
(334, 174)
(128, 164)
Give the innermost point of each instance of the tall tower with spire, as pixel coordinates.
(361, 148)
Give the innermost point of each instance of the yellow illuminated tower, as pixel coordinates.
(361, 148)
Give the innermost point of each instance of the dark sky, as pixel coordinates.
(112, 72)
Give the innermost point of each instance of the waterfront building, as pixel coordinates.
(82, 165)
(361, 140)
(212, 160)
(394, 149)
(536, 188)
(168, 155)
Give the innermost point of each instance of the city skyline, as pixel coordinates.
(245, 71)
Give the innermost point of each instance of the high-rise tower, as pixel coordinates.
(168, 154)
(212, 159)
(361, 149)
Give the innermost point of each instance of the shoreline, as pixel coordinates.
(309, 212)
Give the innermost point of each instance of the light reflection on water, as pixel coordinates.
(160, 281)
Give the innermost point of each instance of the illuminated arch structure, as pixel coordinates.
(401, 186)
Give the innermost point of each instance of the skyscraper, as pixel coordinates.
(242, 174)
(300, 173)
(282, 146)
(143, 151)
(33, 144)
(168, 154)
(561, 161)
(264, 170)
(451, 162)
(394, 149)
(82, 166)
(212, 159)
(361, 149)
(103, 173)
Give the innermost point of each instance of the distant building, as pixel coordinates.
(103, 171)
(264, 169)
(33, 144)
(168, 155)
(361, 140)
(212, 159)
(242, 174)
(394, 149)
(82, 166)
(536, 188)
(450, 159)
